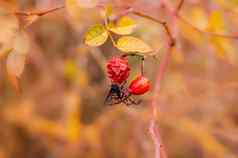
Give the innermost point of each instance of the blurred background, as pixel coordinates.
(60, 112)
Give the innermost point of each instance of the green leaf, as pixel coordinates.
(124, 26)
(96, 35)
(129, 44)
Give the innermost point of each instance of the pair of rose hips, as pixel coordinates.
(118, 71)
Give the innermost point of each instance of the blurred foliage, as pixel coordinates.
(60, 111)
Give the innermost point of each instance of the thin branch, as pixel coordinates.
(41, 13)
(182, 19)
(109, 33)
(180, 5)
(112, 39)
(153, 129)
(147, 17)
(163, 23)
(142, 65)
(172, 40)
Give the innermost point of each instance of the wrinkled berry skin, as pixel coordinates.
(139, 86)
(118, 69)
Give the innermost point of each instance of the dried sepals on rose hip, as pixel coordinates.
(118, 69)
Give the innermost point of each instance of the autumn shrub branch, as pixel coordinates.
(163, 23)
(153, 128)
(171, 43)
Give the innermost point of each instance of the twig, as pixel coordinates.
(180, 5)
(159, 149)
(109, 33)
(163, 23)
(112, 39)
(154, 131)
(41, 13)
(206, 32)
(147, 17)
(142, 66)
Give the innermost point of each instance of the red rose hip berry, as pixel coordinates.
(139, 86)
(118, 69)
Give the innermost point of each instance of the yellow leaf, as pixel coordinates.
(223, 47)
(96, 35)
(124, 26)
(216, 22)
(129, 44)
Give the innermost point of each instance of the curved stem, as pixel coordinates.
(109, 33)
(182, 19)
(112, 39)
(163, 23)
